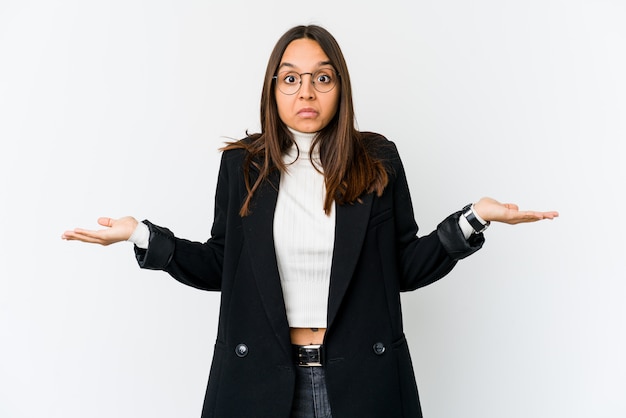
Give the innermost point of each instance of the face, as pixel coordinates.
(308, 110)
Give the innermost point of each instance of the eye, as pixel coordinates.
(290, 78)
(324, 77)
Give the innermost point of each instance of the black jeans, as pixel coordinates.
(310, 399)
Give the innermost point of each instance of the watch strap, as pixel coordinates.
(476, 224)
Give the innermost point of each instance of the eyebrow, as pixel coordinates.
(319, 64)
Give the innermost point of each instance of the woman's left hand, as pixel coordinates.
(493, 211)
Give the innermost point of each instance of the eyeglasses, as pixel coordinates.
(323, 80)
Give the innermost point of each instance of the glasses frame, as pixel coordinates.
(275, 78)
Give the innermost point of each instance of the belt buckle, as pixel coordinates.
(310, 355)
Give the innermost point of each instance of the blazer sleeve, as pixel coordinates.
(195, 264)
(423, 260)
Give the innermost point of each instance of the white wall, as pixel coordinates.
(118, 107)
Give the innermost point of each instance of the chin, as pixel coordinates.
(308, 127)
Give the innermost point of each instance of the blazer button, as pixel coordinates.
(241, 350)
(379, 348)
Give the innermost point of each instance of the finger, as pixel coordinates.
(73, 236)
(518, 217)
(531, 216)
(105, 221)
(70, 235)
(102, 236)
(86, 232)
(546, 215)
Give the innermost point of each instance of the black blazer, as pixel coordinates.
(377, 255)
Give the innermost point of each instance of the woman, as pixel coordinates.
(312, 242)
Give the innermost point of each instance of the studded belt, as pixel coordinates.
(309, 355)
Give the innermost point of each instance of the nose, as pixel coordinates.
(307, 91)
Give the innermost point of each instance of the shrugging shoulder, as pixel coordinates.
(421, 260)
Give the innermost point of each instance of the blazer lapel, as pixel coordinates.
(350, 228)
(258, 229)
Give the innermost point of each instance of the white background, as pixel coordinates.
(119, 107)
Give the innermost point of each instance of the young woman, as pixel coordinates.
(313, 240)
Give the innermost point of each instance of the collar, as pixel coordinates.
(303, 140)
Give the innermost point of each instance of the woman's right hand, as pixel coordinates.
(116, 230)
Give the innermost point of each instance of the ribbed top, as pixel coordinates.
(304, 237)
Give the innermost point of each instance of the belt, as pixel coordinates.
(308, 355)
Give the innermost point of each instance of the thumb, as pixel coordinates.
(106, 222)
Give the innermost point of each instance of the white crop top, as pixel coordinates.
(304, 236)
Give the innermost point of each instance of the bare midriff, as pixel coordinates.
(307, 336)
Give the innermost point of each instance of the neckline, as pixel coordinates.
(303, 141)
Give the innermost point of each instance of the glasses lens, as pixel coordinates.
(324, 80)
(288, 82)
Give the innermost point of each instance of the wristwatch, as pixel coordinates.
(477, 225)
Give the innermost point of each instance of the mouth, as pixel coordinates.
(307, 112)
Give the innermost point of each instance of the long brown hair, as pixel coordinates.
(349, 167)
